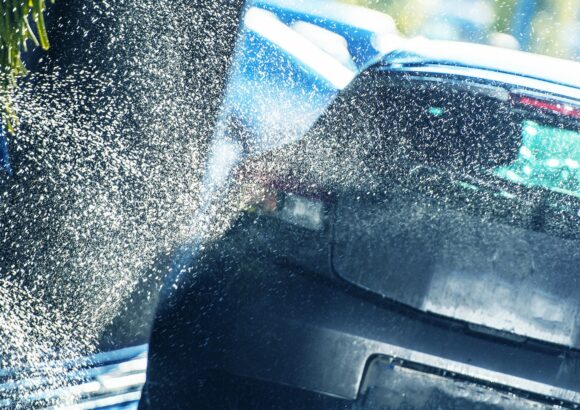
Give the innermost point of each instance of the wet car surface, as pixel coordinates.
(417, 249)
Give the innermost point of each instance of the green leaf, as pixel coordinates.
(15, 31)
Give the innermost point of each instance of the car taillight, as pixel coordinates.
(566, 109)
(294, 209)
(291, 222)
(294, 202)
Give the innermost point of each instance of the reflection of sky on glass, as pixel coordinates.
(292, 59)
(549, 157)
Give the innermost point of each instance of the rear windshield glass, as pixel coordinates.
(477, 150)
(549, 157)
(468, 209)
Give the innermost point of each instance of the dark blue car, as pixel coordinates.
(418, 249)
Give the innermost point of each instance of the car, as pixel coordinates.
(417, 249)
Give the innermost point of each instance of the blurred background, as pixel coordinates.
(550, 27)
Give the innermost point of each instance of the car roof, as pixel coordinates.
(423, 52)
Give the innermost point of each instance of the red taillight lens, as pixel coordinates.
(562, 108)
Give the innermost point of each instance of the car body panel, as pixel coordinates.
(291, 328)
(478, 56)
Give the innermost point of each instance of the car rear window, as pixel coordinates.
(549, 157)
(476, 212)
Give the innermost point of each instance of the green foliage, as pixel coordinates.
(17, 19)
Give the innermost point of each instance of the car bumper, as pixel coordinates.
(319, 338)
(270, 323)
